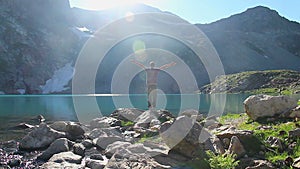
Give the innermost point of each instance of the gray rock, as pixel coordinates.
(87, 143)
(116, 146)
(243, 135)
(226, 142)
(79, 149)
(104, 132)
(90, 152)
(236, 147)
(75, 130)
(218, 146)
(59, 126)
(154, 122)
(14, 162)
(193, 114)
(64, 165)
(294, 133)
(165, 126)
(296, 163)
(275, 142)
(126, 114)
(145, 118)
(103, 142)
(261, 164)
(23, 126)
(40, 137)
(95, 164)
(97, 157)
(59, 145)
(124, 159)
(165, 115)
(185, 136)
(294, 113)
(260, 106)
(69, 157)
(104, 122)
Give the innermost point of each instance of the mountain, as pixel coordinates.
(257, 39)
(35, 40)
(269, 81)
(94, 19)
(41, 39)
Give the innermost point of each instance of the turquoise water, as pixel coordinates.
(18, 108)
(15, 109)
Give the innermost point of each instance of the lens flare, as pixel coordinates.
(139, 49)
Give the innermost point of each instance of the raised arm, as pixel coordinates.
(138, 63)
(167, 65)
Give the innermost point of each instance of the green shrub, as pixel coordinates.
(127, 123)
(224, 161)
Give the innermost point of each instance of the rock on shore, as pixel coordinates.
(137, 139)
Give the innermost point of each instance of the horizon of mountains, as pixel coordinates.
(40, 37)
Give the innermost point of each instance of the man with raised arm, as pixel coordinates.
(152, 73)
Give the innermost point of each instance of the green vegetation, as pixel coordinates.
(271, 82)
(224, 161)
(127, 123)
(263, 130)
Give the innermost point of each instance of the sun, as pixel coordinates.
(104, 4)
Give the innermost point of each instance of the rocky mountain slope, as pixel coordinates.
(41, 37)
(35, 40)
(279, 81)
(257, 39)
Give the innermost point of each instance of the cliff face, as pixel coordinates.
(35, 40)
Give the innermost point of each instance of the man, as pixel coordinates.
(152, 74)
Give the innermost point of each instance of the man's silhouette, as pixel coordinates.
(152, 73)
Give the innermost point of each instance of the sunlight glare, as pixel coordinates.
(101, 5)
(139, 49)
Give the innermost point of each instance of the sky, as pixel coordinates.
(201, 11)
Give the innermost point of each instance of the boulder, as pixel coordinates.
(74, 130)
(97, 157)
(294, 113)
(275, 143)
(165, 115)
(104, 122)
(184, 136)
(54, 165)
(296, 163)
(243, 135)
(59, 126)
(145, 118)
(23, 126)
(154, 123)
(218, 145)
(103, 132)
(79, 149)
(40, 137)
(124, 159)
(69, 157)
(116, 146)
(261, 106)
(87, 143)
(294, 133)
(103, 142)
(236, 147)
(261, 164)
(95, 164)
(59, 145)
(126, 114)
(193, 114)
